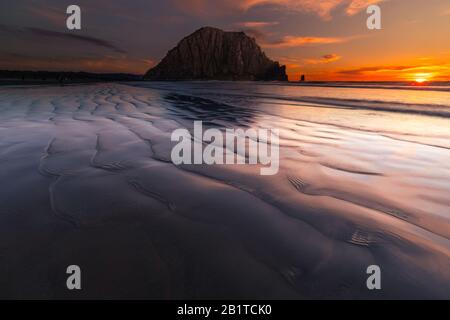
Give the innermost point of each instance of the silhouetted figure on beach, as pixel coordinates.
(302, 78)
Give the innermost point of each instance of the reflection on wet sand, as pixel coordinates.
(87, 180)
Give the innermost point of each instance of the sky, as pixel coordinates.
(326, 40)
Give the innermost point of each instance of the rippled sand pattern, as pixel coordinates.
(86, 179)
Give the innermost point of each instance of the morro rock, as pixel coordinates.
(213, 54)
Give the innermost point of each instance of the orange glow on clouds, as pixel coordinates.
(291, 41)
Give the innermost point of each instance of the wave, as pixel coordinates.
(432, 86)
(240, 93)
(424, 109)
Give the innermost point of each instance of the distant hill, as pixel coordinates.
(213, 54)
(42, 77)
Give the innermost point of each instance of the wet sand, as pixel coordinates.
(87, 180)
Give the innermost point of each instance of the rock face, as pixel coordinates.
(213, 54)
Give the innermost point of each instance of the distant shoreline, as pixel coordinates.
(53, 82)
(26, 77)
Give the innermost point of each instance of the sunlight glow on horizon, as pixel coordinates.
(422, 77)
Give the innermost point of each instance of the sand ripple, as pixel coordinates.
(87, 179)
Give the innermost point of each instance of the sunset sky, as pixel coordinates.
(325, 40)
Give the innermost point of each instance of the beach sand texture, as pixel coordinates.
(86, 179)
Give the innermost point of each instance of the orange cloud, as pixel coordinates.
(328, 58)
(257, 24)
(293, 41)
(322, 8)
(406, 68)
(364, 70)
(356, 6)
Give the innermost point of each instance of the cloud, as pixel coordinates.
(269, 39)
(38, 32)
(294, 41)
(393, 68)
(257, 24)
(360, 71)
(328, 58)
(356, 6)
(322, 8)
(76, 37)
(54, 15)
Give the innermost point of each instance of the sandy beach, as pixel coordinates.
(87, 179)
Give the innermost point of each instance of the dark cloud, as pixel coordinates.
(72, 36)
(61, 35)
(328, 58)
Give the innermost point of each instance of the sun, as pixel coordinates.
(420, 80)
(421, 77)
